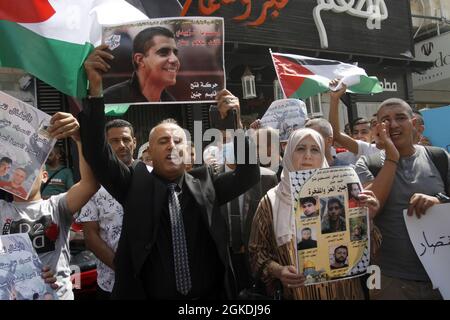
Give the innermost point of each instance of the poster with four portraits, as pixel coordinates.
(174, 60)
(332, 229)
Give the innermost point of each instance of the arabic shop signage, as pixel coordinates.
(374, 12)
(375, 27)
(436, 50)
(389, 86)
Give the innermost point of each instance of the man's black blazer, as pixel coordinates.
(142, 196)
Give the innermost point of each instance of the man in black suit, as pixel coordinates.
(167, 211)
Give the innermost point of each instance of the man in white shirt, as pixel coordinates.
(102, 216)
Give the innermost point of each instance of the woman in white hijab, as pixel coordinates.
(272, 246)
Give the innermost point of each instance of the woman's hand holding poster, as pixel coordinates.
(333, 232)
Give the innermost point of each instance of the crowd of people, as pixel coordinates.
(162, 227)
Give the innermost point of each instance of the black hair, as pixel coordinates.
(336, 200)
(144, 40)
(308, 199)
(350, 185)
(357, 121)
(345, 247)
(419, 116)
(306, 229)
(6, 160)
(60, 151)
(119, 123)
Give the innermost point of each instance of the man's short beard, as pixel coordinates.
(340, 261)
(127, 160)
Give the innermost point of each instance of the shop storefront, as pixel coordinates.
(432, 88)
(377, 37)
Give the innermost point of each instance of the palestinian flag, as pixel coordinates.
(50, 39)
(302, 77)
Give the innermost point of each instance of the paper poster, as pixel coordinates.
(24, 144)
(20, 270)
(286, 115)
(430, 236)
(167, 60)
(332, 229)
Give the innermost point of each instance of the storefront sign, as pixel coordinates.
(393, 83)
(374, 11)
(309, 24)
(388, 86)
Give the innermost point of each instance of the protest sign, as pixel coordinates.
(286, 115)
(20, 270)
(430, 236)
(333, 232)
(24, 144)
(188, 68)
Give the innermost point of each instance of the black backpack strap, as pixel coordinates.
(438, 156)
(440, 159)
(374, 163)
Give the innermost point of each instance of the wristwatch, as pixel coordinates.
(443, 198)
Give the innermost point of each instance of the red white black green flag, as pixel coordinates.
(302, 77)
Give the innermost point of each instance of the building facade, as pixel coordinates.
(431, 28)
(378, 37)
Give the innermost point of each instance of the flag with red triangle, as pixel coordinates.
(302, 77)
(50, 39)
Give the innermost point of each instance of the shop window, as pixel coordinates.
(314, 106)
(277, 91)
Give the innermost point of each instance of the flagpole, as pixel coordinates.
(276, 72)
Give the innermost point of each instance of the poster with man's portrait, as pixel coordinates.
(307, 238)
(333, 214)
(338, 255)
(310, 207)
(333, 244)
(165, 61)
(24, 145)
